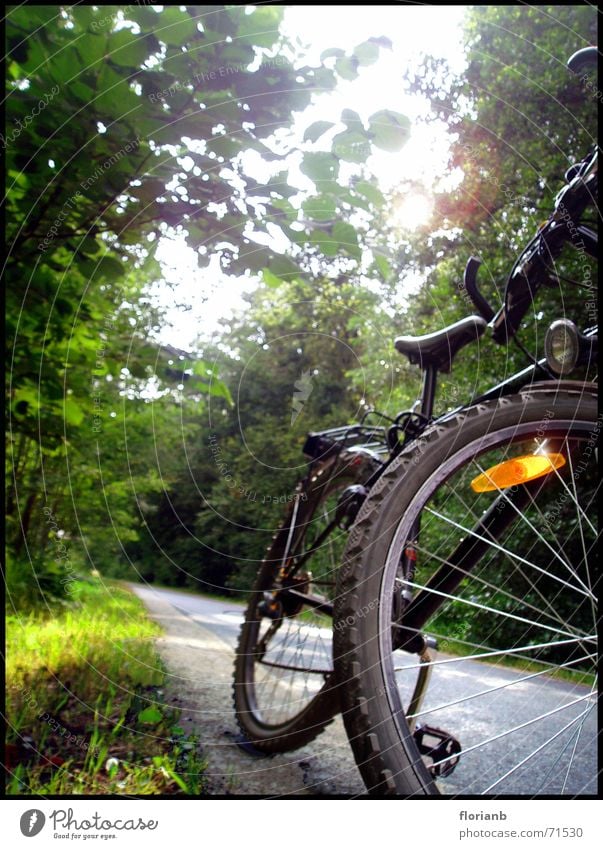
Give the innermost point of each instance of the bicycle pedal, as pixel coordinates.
(445, 753)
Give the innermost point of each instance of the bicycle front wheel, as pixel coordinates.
(479, 538)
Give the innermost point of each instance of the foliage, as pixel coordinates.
(212, 527)
(84, 687)
(191, 475)
(227, 529)
(126, 125)
(516, 119)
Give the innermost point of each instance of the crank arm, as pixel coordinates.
(317, 602)
(423, 677)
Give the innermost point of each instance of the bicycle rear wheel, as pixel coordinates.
(503, 579)
(284, 688)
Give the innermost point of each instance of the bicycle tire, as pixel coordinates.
(380, 733)
(258, 719)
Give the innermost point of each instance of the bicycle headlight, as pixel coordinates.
(562, 346)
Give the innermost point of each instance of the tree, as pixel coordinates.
(125, 125)
(516, 118)
(211, 527)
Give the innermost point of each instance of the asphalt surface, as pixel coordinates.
(198, 650)
(326, 767)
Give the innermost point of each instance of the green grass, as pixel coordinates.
(85, 712)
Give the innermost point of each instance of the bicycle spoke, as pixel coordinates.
(499, 687)
(573, 755)
(485, 583)
(539, 749)
(502, 614)
(533, 587)
(472, 533)
(539, 536)
(498, 652)
(518, 728)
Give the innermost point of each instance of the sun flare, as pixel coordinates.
(412, 211)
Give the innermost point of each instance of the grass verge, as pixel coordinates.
(85, 713)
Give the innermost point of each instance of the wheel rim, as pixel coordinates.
(298, 659)
(531, 711)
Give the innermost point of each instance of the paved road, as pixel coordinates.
(198, 650)
(333, 771)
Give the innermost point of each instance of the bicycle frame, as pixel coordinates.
(380, 440)
(498, 518)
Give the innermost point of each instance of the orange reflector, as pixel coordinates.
(517, 470)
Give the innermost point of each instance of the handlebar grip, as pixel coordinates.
(470, 284)
(582, 58)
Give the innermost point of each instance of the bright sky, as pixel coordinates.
(413, 30)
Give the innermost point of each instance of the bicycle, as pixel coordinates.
(413, 565)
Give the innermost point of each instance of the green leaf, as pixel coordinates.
(282, 266)
(26, 400)
(320, 208)
(74, 415)
(325, 242)
(389, 130)
(128, 50)
(320, 166)
(175, 27)
(370, 192)
(108, 267)
(367, 53)
(347, 238)
(384, 267)
(150, 716)
(115, 93)
(226, 146)
(332, 51)
(271, 279)
(352, 120)
(351, 146)
(261, 28)
(316, 130)
(347, 67)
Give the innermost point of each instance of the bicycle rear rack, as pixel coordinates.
(326, 442)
